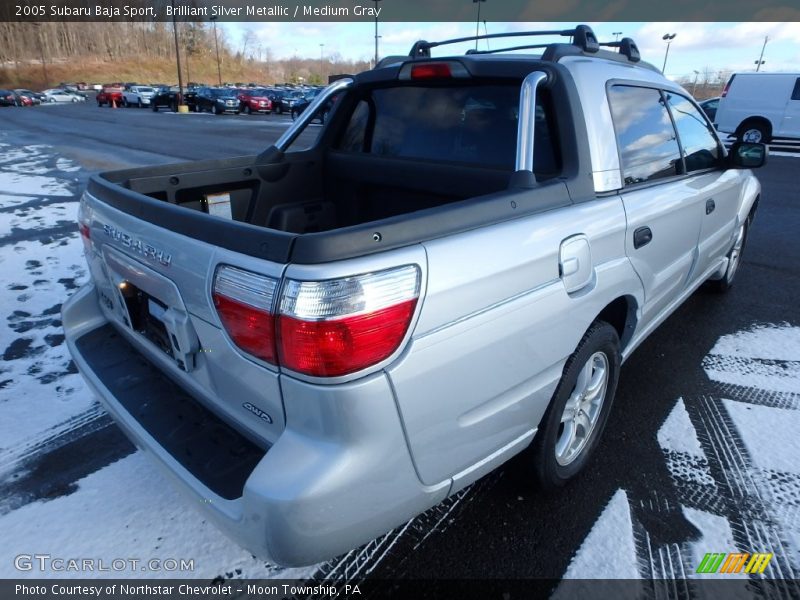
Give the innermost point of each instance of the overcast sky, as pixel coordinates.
(697, 46)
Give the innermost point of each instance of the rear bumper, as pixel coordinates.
(339, 475)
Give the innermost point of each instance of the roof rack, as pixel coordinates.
(583, 41)
(627, 47)
(582, 36)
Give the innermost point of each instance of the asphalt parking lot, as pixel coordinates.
(701, 452)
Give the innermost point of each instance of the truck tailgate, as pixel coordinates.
(154, 286)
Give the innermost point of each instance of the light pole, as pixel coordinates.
(760, 62)
(376, 32)
(477, 20)
(321, 47)
(694, 86)
(179, 97)
(216, 45)
(667, 37)
(616, 35)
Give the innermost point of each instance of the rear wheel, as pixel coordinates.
(573, 423)
(154, 106)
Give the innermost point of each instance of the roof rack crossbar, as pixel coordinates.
(509, 49)
(582, 36)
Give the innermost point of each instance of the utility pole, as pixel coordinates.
(477, 20)
(616, 35)
(760, 62)
(667, 37)
(216, 45)
(321, 48)
(177, 57)
(376, 32)
(694, 87)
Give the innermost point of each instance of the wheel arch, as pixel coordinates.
(621, 313)
(756, 119)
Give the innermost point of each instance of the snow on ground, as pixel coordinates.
(39, 386)
(677, 433)
(735, 465)
(608, 552)
(127, 510)
(765, 356)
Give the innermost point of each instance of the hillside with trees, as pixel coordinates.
(41, 55)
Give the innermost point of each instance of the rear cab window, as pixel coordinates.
(473, 124)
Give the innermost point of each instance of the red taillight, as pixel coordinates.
(727, 86)
(342, 346)
(85, 227)
(250, 328)
(431, 71)
(244, 303)
(340, 326)
(323, 328)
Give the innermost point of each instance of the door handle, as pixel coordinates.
(710, 206)
(642, 237)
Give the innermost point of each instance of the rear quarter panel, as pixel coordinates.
(495, 330)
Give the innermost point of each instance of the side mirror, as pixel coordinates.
(747, 155)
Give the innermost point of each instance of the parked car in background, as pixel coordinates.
(22, 100)
(710, 107)
(8, 98)
(218, 100)
(111, 95)
(167, 97)
(301, 104)
(59, 95)
(757, 107)
(255, 101)
(35, 97)
(137, 95)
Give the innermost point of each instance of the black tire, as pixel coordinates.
(734, 261)
(139, 103)
(174, 107)
(99, 105)
(293, 114)
(600, 339)
(753, 131)
(154, 107)
(248, 110)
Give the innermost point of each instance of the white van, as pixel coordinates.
(758, 107)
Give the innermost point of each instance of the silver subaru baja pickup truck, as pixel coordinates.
(319, 344)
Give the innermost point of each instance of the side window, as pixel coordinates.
(647, 143)
(700, 147)
(796, 91)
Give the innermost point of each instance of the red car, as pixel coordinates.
(255, 101)
(108, 95)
